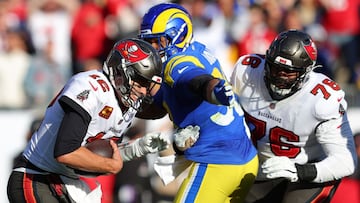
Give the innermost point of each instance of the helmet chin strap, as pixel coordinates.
(128, 101)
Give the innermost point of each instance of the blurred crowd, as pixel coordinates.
(44, 42)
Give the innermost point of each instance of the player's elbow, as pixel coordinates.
(63, 159)
(353, 166)
(350, 160)
(348, 165)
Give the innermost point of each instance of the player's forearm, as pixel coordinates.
(335, 167)
(203, 85)
(83, 159)
(336, 139)
(213, 90)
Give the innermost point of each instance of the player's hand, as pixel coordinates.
(118, 162)
(154, 142)
(280, 167)
(186, 137)
(224, 94)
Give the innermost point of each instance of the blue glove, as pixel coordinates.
(223, 94)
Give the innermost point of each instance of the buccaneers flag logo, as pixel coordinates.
(131, 51)
(311, 51)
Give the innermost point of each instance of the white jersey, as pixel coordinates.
(308, 127)
(94, 93)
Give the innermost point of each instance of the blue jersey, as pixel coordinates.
(224, 137)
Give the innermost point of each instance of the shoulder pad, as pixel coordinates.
(248, 65)
(178, 65)
(333, 104)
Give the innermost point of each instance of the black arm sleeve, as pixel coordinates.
(306, 172)
(73, 127)
(151, 111)
(199, 85)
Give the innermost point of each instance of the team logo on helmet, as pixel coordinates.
(311, 51)
(131, 51)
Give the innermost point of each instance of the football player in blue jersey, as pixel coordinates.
(195, 92)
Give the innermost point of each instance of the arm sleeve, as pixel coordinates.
(73, 127)
(203, 85)
(336, 139)
(151, 111)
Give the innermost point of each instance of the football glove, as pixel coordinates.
(280, 167)
(170, 167)
(150, 143)
(223, 94)
(186, 137)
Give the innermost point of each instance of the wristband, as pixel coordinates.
(306, 172)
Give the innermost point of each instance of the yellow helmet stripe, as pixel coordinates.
(159, 26)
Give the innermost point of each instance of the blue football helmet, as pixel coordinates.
(169, 22)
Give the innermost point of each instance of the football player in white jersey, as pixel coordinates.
(298, 121)
(92, 105)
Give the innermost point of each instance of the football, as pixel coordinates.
(101, 147)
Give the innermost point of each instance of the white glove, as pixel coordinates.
(150, 143)
(280, 167)
(154, 142)
(186, 137)
(170, 167)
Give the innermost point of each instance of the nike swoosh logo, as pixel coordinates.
(339, 99)
(182, 69)
(93, 87)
